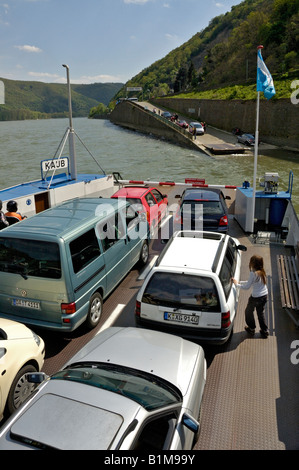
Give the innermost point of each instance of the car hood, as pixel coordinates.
(164, 355)
(14, 330)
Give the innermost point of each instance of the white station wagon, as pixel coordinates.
(189, 291)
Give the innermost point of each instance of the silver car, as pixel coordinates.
(198, 128)
(246, 139)
(128, 388)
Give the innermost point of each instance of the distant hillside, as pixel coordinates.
(225, 52)
(100, 92)
(30, 100)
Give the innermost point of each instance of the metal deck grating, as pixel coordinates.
(249, 380)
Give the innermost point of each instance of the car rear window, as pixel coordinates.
(196, 208)
(182, 291)
(30, 258)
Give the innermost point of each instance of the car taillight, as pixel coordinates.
(225, 319)
(68, 309)
(223, 220)
(137, 308)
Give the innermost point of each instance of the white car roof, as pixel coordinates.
(191, 253)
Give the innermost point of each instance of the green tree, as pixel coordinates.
(98, 110)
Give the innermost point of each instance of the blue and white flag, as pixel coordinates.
(264, 79)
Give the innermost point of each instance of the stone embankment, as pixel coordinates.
(139, 117)
(278, 123)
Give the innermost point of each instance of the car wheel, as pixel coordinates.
(95, 310)
(20, 389)
(144, 254)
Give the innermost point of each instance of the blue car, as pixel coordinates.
(202, 209)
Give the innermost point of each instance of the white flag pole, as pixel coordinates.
(255, 155)
(255, 158)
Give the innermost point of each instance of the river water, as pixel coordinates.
(23, 144)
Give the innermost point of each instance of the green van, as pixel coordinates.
(57, 266)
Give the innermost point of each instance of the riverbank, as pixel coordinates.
(147, 118)
(278, 124)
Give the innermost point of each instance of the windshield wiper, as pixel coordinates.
(17, 269)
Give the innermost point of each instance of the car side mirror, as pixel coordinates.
(227, 197)
(190, 423)
(36, 377)
(241, 247)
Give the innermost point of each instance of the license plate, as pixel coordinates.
(26, 303)
(182, 318)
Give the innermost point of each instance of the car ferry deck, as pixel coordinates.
(251, 395)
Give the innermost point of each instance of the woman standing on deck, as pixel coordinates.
(257, 280)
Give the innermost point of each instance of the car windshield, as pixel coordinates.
(134, 202)
(149, 391)
(196, 208)
(30, 258)
(179, 290)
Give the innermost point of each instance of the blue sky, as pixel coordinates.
(101, 40)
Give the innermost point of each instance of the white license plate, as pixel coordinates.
(26, 303)
(182, 318)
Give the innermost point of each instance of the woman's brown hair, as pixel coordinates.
(256, 264)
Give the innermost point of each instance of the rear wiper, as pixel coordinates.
(24, 276)
(14, 268)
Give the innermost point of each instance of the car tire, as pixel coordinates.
(94, 311)
(144, 254)
(20, 389)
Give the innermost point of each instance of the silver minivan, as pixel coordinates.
(57, 266)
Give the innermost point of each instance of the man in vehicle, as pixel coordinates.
(12, 211)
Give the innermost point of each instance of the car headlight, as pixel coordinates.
(36, 338)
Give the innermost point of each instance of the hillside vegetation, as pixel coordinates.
(32, 100)
(224, 54)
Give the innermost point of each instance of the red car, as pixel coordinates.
(146, 200)
(183, 124)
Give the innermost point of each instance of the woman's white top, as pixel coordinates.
(255, 281)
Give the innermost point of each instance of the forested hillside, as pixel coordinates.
(32, 100)
(225, 52)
